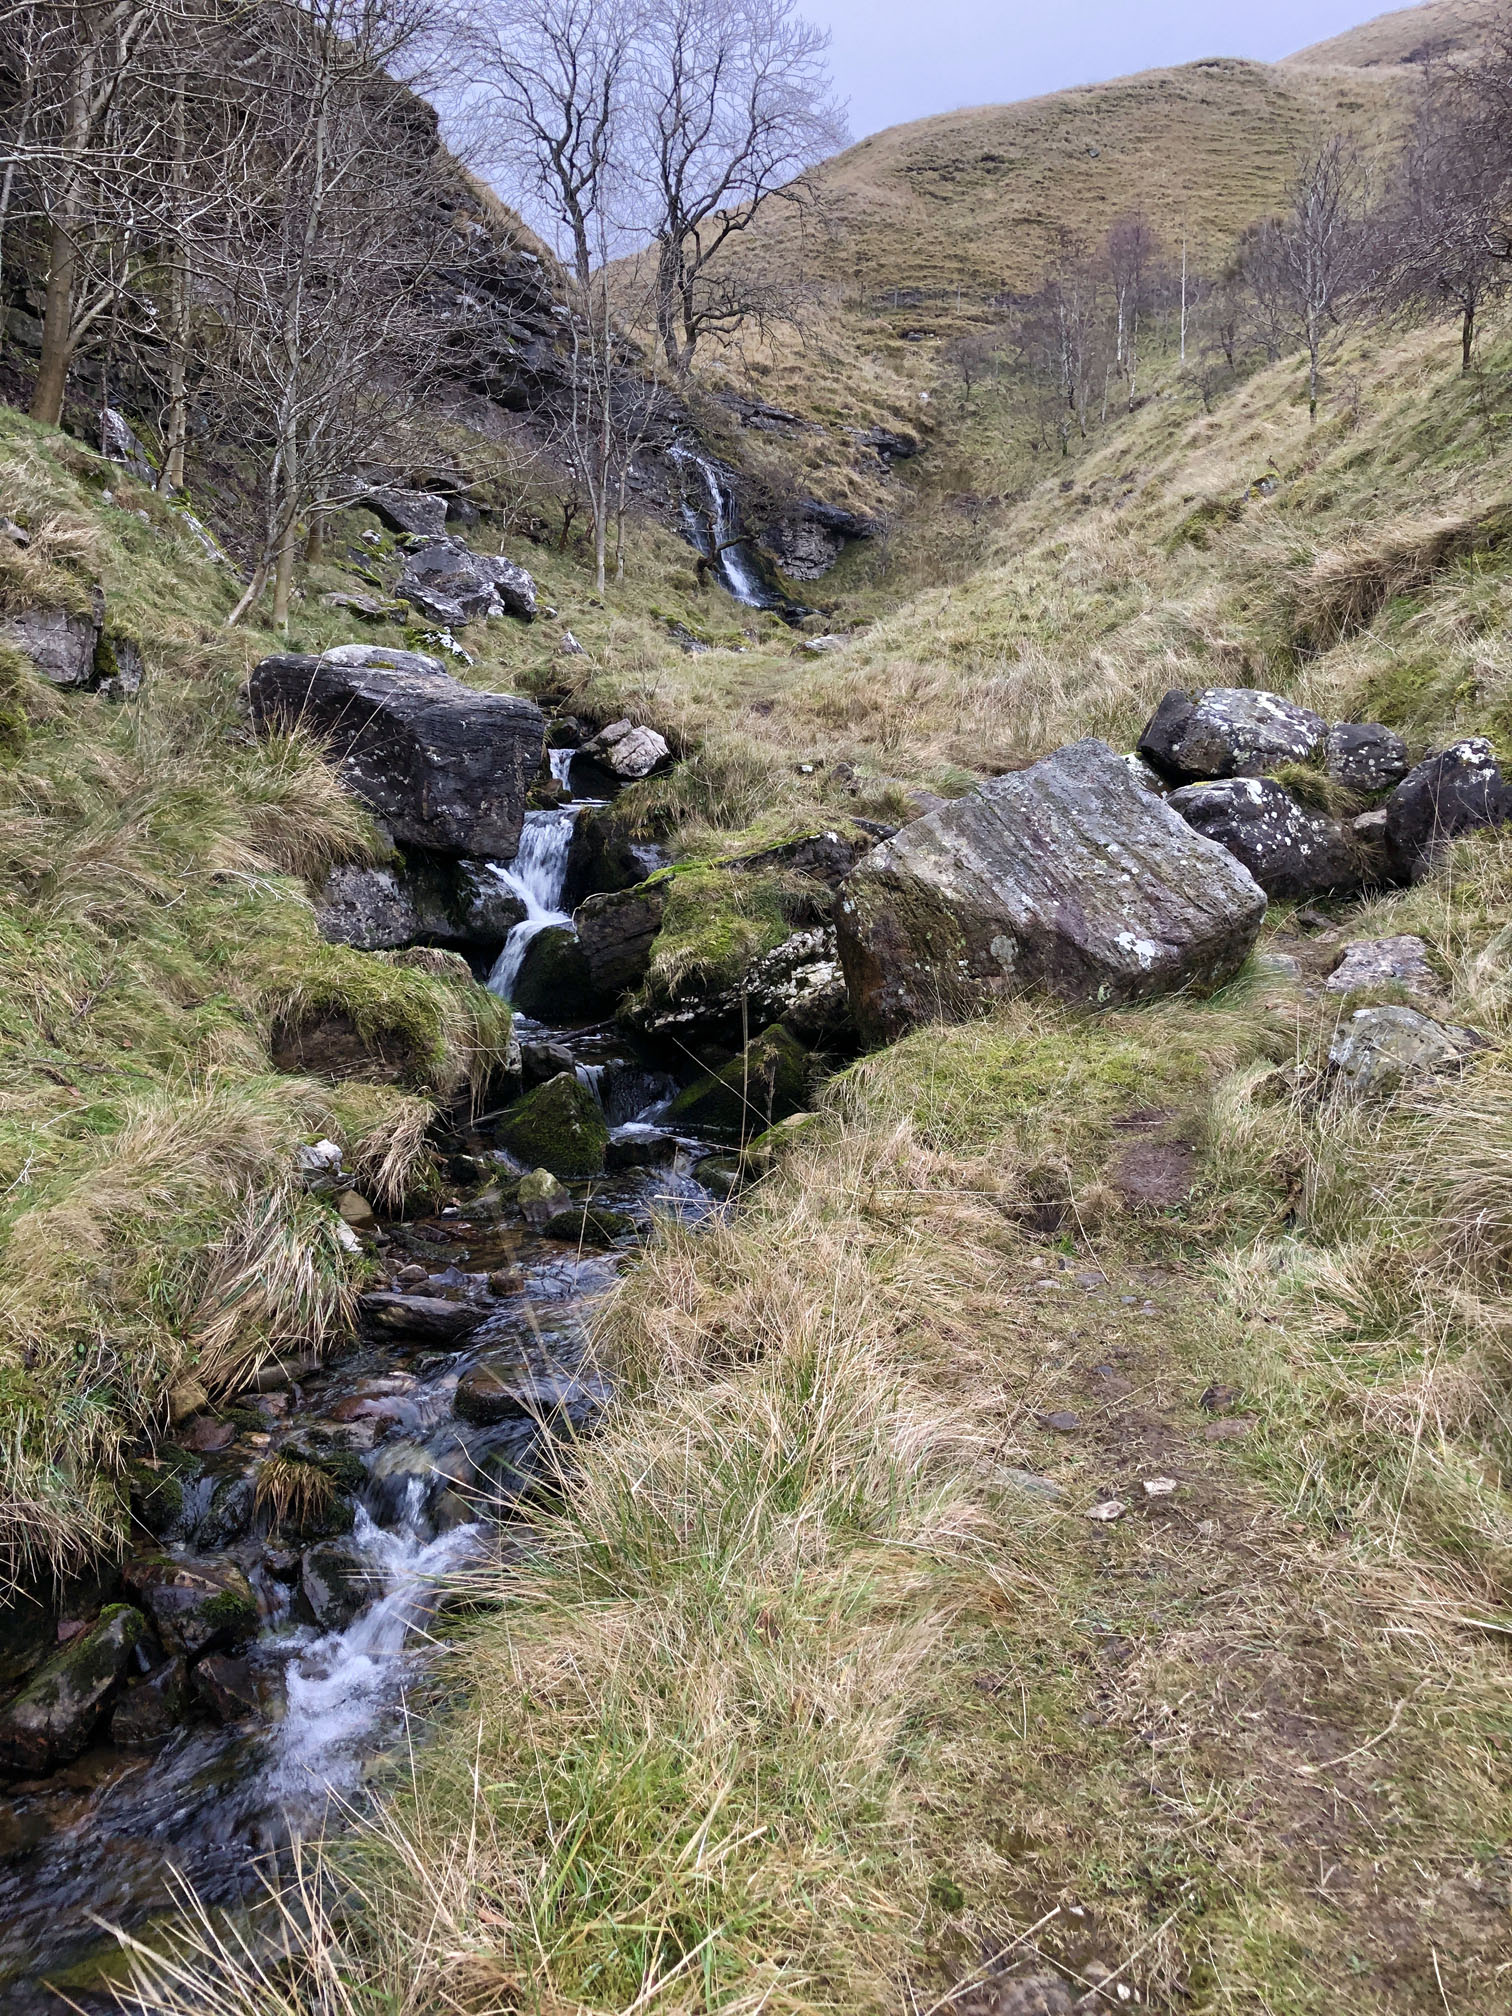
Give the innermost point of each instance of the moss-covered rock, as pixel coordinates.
(558, 1127)
(195, 1604)
(766, 1082)
(54, 1716)
(555, 981)
(594, 1224)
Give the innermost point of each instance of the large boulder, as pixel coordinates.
(59, 643)
(616, 930)
(798, 982)
(1365, 756)
(449, 583)
(443, 767)
(559, 1127)
(766, 1082)
(369, 908)
(1229, 731)
(54, 1716)
(554, 983)
(1289, 850)
(606, 855)
(415, 511)
(627, 751)
(1065, 876)
(434, 899)
(154, 1707)
(1445, 795)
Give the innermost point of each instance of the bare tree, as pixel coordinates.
(733, 105)
(1131, 252)
(1314, 254)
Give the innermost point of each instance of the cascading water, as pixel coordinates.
(561, 764)
(538, 876)
(710, 524)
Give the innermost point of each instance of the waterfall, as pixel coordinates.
(561, 765)
(537, 875)
(711, 524)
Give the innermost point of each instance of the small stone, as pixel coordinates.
(355, 1208)
(1109, 1510)
(1379, 1049)
(1062, 1421)
(318, 1162)
(541, 1196)
(1218, 1399)
(205, 1435)
(1384, 962)
(1160, 1487)
(506, 1281)
(1231, 1430)
(1032, 1482)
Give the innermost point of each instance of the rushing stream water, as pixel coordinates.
(101, 1838)
(709, 518)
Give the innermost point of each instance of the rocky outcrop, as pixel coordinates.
(627, 751)
(607, 855)
(60, 643)
(54, 1716)
(1228, 731)
(558, 1127)
(1065, 876)
(1446, 795)
(416, 511)
(449, 583)
(1289, 850)
(616, 931)
(444, 767)
(1365, 756)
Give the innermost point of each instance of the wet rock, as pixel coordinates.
(765, 1083)
(1379, 1049)
(226, 1686)
(449, 583)
(606, 854)
(540, 1061)
(1289, 850)
(205, 1435)
(589, 1225)
(559, 1126)
(1364, 756)
(335, 1582)
(59, 643)
(443, 766)
(197, 1603)
(355, 1209)
(1065, 876)
(1445, 795)
(1384, 962)
(1229, 731)
(55, 1715)
(154, 1707)
(541, 1196)
(627, 751)
(426, 1319)
(555, 981)
(616, 930)
(639, 1145)
(414, 511)
(156, 1487)
(502, 1388)
(232, 1509)
(720, 1175)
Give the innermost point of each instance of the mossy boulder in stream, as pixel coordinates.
(555, 982)
(559, 1127)
(766, 1082)
(54, 1717)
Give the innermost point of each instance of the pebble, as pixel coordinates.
(1159, 1487)
(1062, 1421)
(1109, 1510)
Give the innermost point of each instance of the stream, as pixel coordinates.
(217, 1802)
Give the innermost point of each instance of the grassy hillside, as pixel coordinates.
(1410, 35)
(820, 1690)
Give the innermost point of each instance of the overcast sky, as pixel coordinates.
(903, 59)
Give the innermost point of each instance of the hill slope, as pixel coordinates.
(1409, 35)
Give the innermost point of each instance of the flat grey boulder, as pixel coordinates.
(1365, 756)
(1228, 731)
(449, 583)
(1446, 795)
(415, 511)
(1384, 962)
(443, 766)
(1379, 1049)
(501, 1387)
(1289, 850)
(627, 751)
(1065, 877)
(59, 644)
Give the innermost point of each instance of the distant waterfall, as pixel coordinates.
(710, 522)
(538, 876)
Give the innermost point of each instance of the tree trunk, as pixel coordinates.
(1467, 336)
(57, 323)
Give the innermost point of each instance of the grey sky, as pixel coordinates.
(903, 59)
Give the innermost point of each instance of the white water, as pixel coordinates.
(592, 1075)
(710, 527)
(537, 875)
(561, 763)
(339, 1690)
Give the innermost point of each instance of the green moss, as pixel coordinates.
(560, 1127)
(228, 1613)
(765, 1083)
(715, 924)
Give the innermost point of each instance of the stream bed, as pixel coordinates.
(303, 1715)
